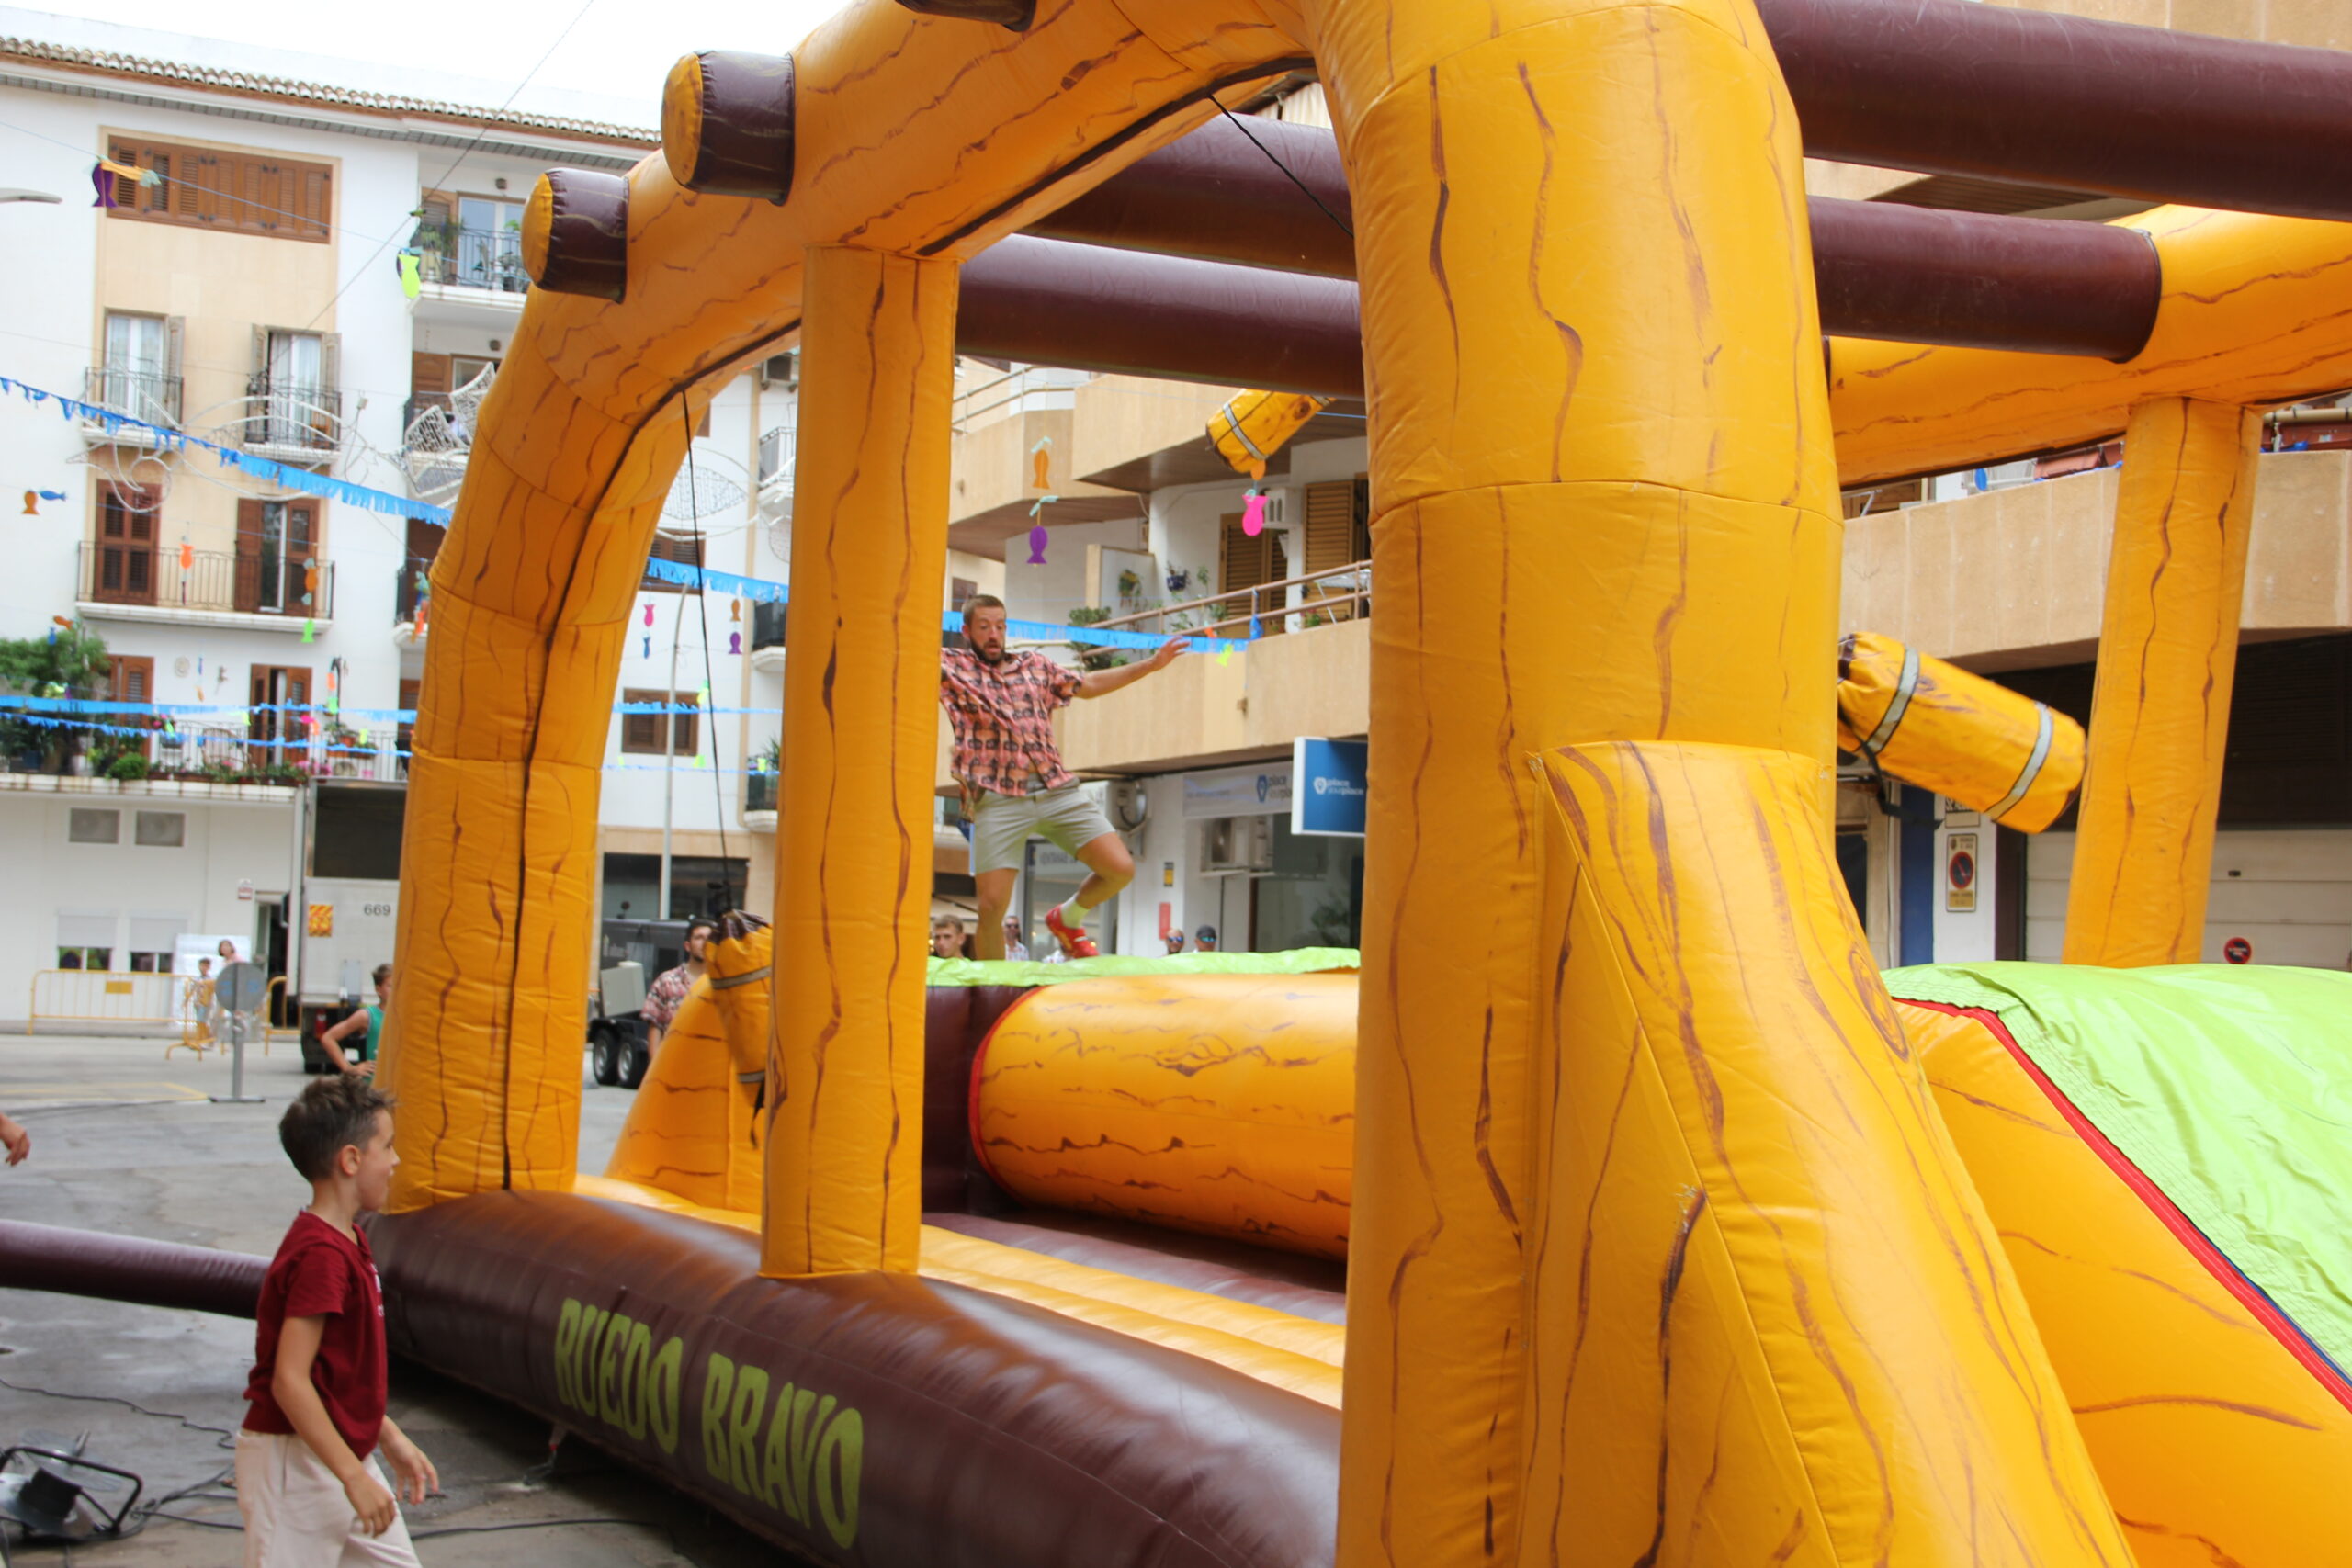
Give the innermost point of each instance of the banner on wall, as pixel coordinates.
(1327, 793)
(1239, 792)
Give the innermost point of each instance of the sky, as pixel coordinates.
(616, 49)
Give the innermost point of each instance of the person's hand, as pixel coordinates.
(370, 1501)
(418, 1478)
(364, 1070)
(17, 1142)
(1168, 652)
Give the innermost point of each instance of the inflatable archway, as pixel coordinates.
(1655, 1233)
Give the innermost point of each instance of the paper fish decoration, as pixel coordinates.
(1254, 513)
(30, 509)
(734, 609)
(187, 555)
(309, 631)
(412, 274)
(649, 642)
(1040, 463)
(648, 612)
(1037, 545)
(734, 642)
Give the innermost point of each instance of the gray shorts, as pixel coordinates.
(1002, 824)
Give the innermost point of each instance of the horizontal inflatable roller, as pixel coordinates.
(1935, 725)
(1219, 1103)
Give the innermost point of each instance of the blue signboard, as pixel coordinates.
(1327, 787)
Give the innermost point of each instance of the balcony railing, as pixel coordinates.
(767, 626)
(264, 581)
(759, 791)
(474, 258)
(274, 748)
(289, 415)
(1312, 599)
(140, 394)
(777, 449)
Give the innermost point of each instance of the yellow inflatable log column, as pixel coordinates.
(688, 1133)
(2214, 1444)
(743, 987)
(861, 686)
(1601, 453)
(1223, 1104)
(1254, 426)
(1937, 725)
(1769, 1308)
(2160, 711)
(529, 598)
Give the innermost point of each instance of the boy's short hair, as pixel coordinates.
(384, 972)
(329, 1114)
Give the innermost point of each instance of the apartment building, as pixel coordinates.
(315, 262)
(2001, 570)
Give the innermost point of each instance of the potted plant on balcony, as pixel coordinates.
(67, 661)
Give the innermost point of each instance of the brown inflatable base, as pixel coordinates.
(859, 1419)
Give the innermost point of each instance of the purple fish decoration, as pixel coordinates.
(1037, 545)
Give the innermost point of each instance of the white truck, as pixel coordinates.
(346, 904)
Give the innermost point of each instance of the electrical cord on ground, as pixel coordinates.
(228, 1438)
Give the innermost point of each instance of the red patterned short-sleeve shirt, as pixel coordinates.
(1003, 716)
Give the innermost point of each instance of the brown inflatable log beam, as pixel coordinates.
(1882, 270)
(128, 1268)
(1989, 92)
(1935, 87)
(1900, 273)
(870, 1419)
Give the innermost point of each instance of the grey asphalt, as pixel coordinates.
(127, 1141)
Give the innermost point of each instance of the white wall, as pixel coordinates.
(2287, 891)
(225, 844)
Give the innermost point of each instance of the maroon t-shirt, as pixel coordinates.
(320, 1272)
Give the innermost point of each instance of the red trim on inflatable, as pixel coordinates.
(2184, 1229)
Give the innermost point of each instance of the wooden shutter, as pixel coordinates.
(330, 369)
(247, 595)
(641, 732)
(1244, 563)
(428, 379)
(1329, 525)
(686, 551)
(132, 679)
(125, 572)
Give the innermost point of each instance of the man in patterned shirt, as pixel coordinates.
(1002, 705)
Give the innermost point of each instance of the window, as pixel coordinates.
(293, 396)
(686, 550)
(90, 825)
(233, 193)
(85, 958)
(277, 557)
(153, 939)
(641, 732)
(272, 689)
(85, 940)
(132, 679)
(161, 830)
(487, 248)
(141, 376)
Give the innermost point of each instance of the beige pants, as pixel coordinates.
(296, 1514)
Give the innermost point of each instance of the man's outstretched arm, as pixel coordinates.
(1100, 683)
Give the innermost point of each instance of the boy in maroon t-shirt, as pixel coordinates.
(307, 1485)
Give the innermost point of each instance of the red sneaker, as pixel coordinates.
(1075, 943)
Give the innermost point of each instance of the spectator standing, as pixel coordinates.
(368, 1022)
(947, 937)
(661, 998)
(1016, 950)
(307, 1483)
(1175, 942)
(1205, 939)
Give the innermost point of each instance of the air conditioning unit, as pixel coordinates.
(1235, 845)
(780, 370)
(1130, 805)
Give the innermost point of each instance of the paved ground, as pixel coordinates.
(126, 1141)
